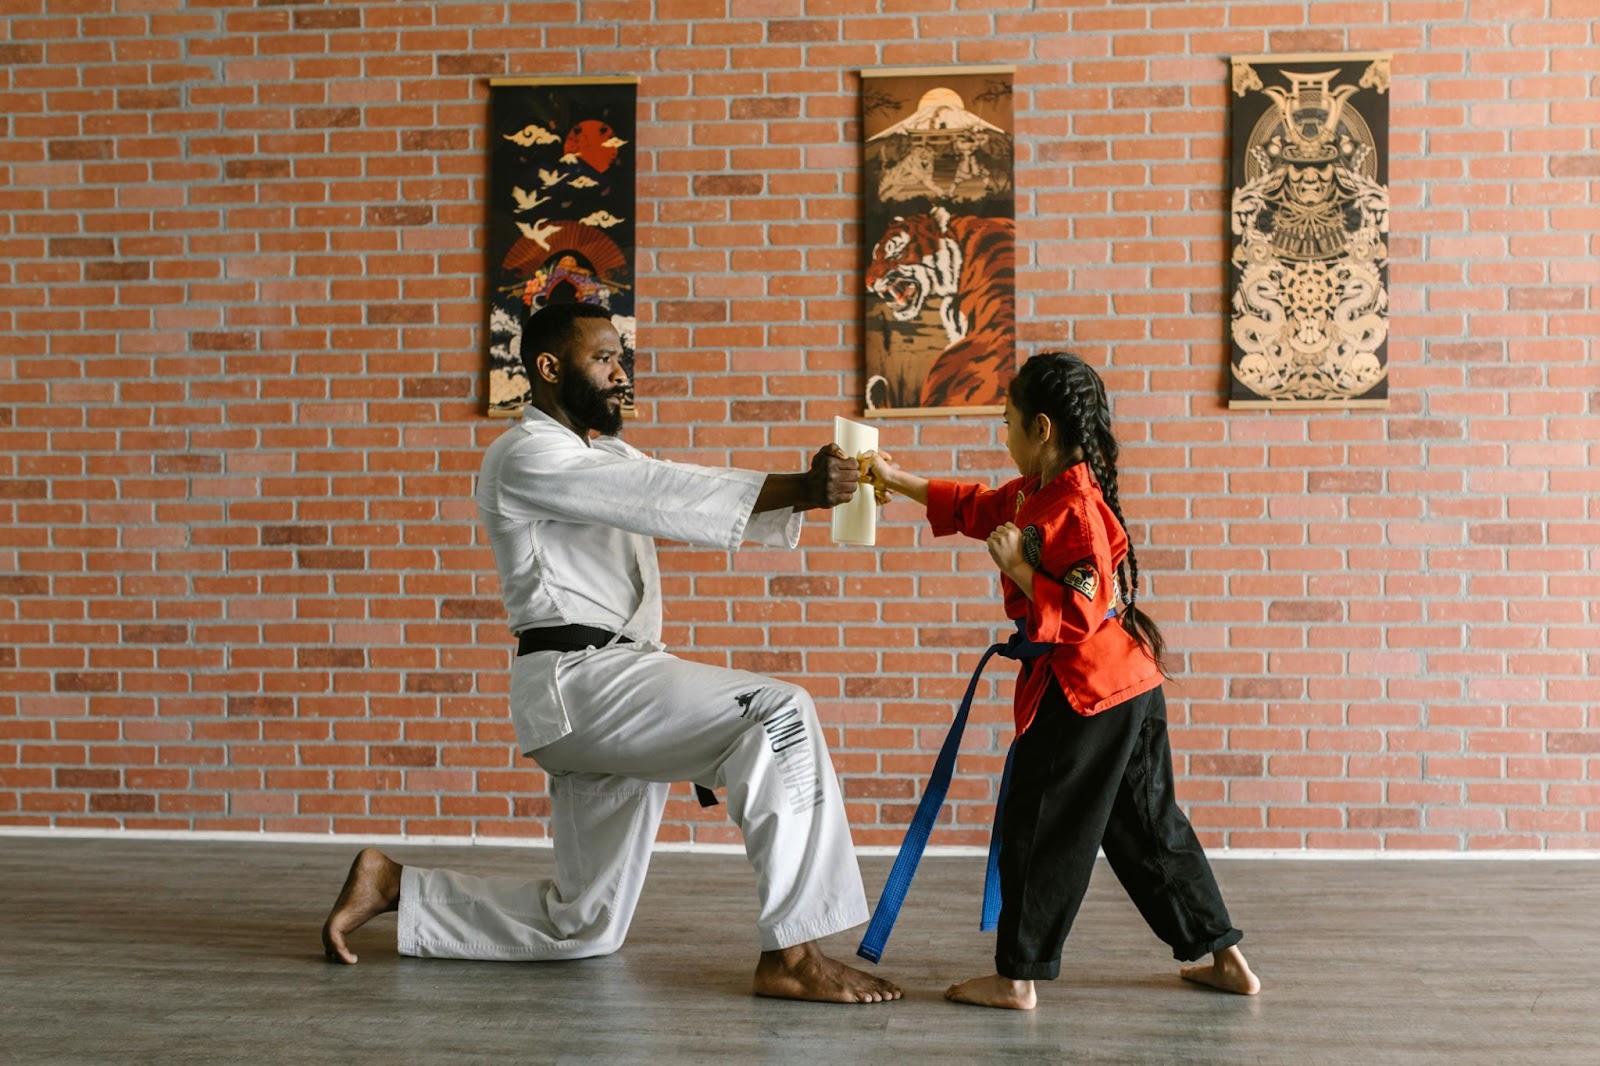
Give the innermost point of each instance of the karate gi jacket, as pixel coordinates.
(1075, 545)
(571, 523)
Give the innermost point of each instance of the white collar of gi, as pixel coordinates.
(535, 420)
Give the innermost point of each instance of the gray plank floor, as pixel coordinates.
(130, 951)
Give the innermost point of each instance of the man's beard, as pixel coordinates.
(589, 407)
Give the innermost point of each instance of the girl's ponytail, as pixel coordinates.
(1064, 387)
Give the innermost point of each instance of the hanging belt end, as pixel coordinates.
(871, 954)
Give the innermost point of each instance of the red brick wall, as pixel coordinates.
(242, 296)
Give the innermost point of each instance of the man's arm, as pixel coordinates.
(832, 480)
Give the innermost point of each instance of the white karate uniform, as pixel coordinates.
(571, 524)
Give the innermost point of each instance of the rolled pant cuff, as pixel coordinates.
(1199, 951)
(800, 932)
(406, 937)
(1028, 971)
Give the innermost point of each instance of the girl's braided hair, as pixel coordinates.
(1067, 390)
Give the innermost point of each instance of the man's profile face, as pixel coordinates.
(593, 383)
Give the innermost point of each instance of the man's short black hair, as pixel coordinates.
(553, 328)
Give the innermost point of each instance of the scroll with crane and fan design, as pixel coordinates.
(561, 213)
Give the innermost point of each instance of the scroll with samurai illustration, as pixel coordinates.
(940, 212)
(561, 213)
(1309, 310)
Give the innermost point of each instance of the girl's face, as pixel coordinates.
(1023, 440)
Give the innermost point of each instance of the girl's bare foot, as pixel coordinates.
(372, 888)
(804, 972)
(1227, 971)
(994, 991)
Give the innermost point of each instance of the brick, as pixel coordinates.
(1565, 743)
(795, 30)
(222, 342)
(1266, 688)
(82, 247)
(403, 755)
(1344, 481)
(260, 706)
(488, 610)
(294, 534)
(1227, 765)
(1304, 611)
(400, 215)
(123, 803)
(155, 634)
(330, 560)
(318, 118)
(331, 658)
(437, 388)
(386, 314)
(765, 107)
(719, 185)
(435, 141)
(24, 489)
(87, 779)
(74, 681)
(444, 682)
(337, 19)
(455, 66)
(132, 270)
(1576, 166)
(692, 311)
(256, 169)
(80, 149)
(188, 464)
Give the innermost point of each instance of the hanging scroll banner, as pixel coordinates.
(940, 209)
(1309, 307)
(561, 212)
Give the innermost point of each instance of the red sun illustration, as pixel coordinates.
(587, 140)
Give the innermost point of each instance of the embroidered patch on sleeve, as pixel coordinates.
(1083, 578)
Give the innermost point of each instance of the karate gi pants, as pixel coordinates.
(642, 719)
(1079, 784)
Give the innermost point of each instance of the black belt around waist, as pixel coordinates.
(576, 638)
(565, 638)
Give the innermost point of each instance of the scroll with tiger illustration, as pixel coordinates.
(561, 213)
(939, 217)
(1309, 310)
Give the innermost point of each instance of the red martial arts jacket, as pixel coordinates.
(1075, 545)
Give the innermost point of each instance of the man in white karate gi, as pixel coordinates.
(611, 716)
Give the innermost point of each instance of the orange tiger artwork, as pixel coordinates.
(969, 263)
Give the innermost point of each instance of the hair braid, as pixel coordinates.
(1064, 387)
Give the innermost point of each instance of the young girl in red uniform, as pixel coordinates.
(1091, 767)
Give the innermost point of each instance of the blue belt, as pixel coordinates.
(905, 864)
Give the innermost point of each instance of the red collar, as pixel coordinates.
(1073, 481)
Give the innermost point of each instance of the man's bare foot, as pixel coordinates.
(372, 888)
(804, 972)
(994, 991)
(1227, 971)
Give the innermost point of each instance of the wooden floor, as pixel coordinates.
(118, 951)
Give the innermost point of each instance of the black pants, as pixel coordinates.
(1078, 784)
